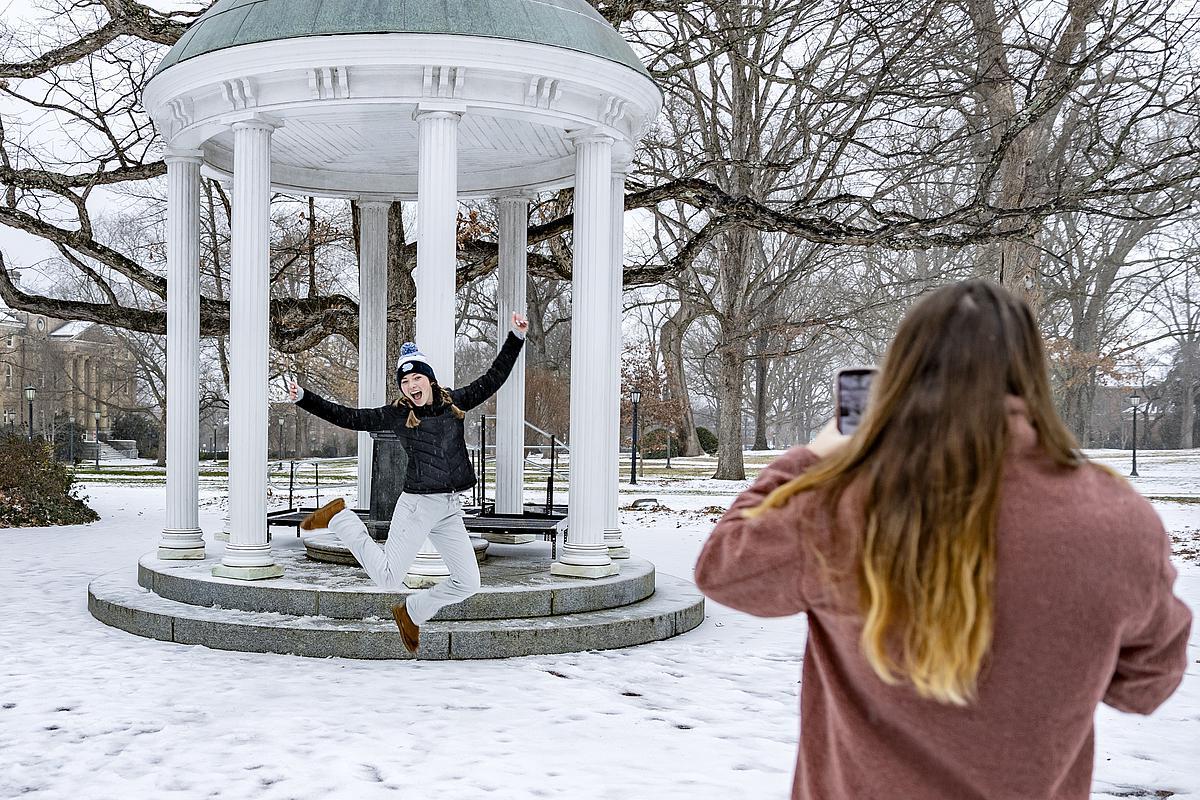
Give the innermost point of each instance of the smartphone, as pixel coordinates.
(851, 389)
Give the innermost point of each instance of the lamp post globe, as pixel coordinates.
(30, 393)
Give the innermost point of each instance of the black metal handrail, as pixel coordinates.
(479, 494)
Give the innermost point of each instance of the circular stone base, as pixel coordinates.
(329, 549)
(324, 610)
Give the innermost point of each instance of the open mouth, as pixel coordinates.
(418, 396)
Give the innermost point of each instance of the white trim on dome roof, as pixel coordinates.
(561, 90)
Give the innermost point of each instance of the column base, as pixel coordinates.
(180, 553)
(248, 573)
(222, 536)
(414, 581)
(619, 552)
(581, 571)
(181, 543)
(510, 538)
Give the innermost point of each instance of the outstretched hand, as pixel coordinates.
(520, 325)
(293, 388)
(828, 440)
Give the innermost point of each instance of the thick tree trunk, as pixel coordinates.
(162, 438)
(761, 364)
(1078, 396)
(730, 369)
(402, 289)
(1019, 269)
(1187, 420)
(670, 340)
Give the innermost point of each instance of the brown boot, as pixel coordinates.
(320, 518)
(410, 632)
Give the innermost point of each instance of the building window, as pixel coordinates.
(8, 376)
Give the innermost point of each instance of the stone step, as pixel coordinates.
(115, 599)
(516, 583)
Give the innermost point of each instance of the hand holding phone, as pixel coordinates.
(851, 391)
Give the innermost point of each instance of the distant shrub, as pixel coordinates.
(708, 440)
(140, 428)
(35, 489)
(654, 444)
(68, 441)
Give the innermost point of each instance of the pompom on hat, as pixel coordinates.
(413, 361)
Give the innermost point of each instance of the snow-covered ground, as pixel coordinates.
(87, 711)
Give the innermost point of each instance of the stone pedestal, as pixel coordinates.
(388, 469)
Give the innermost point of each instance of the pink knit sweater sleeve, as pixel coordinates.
(757, 565)
(1153, 655)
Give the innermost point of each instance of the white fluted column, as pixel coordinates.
(372, 329)
(248, 554)
(182, 538)
(437, 243)
(437, 259)
(612, 367)
(585, 553)
(510, 400)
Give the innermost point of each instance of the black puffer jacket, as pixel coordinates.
(437, 450)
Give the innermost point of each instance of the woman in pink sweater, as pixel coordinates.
(974, 586)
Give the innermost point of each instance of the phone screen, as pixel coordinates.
(853, 389)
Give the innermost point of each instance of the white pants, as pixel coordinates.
(417, 516)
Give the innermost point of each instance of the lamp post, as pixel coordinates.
(30, 393)
(281, 438)
(71, 435)
(668, 449)
(1135, 399)
(96, 414)
(635, 397)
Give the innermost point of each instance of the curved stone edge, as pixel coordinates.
(328, 549)
(171, 582)
(677, 607)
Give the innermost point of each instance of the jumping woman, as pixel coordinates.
(429, 421)
(974, 586)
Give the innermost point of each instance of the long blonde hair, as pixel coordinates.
(443, 393)
(927, 463)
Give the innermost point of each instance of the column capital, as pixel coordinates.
(374, 200)
(256, 121)
(622, 169)
(590, 136)
(179, 155)
(439, 110)
(517, 198)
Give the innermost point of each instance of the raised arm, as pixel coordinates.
(1153, 655)
(479, 390)
(755, 565)
(383, 418)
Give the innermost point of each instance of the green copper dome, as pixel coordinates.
(571, 24)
